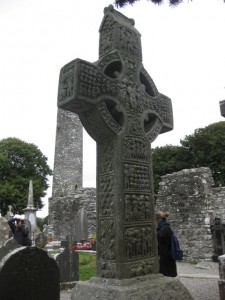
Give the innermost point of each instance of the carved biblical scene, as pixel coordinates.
(135, 149)
(129, 42)
(137, 208)
(138, 242)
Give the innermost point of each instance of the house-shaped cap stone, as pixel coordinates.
(117, 32)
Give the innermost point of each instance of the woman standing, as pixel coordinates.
(167, 266)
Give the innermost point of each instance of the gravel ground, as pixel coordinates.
(201, 280)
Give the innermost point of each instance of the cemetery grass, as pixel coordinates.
(87, 266)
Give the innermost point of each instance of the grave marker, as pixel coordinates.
(29, 273)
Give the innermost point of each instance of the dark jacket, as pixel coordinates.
(167, 266)
(20, 233)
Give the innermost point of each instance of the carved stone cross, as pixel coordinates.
(121, 109)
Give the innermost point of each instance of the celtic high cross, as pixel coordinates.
(120, 107)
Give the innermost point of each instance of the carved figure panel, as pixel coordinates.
(138, 208)
(138, 242)
(135, 148)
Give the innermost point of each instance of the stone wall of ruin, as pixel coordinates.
(188, 195)
(193, 204)
(63, 212)
(218, 200)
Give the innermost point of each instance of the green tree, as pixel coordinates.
(169, 159)
(21, 162)
(207, 147)
(204, 148)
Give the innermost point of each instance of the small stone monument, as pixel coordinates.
(120, 107)
(30, 212)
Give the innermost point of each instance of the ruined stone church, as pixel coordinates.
(188, 195)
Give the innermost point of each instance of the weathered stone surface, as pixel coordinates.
(81, 227)
(150, 287)
(29, 273)
(63, 212)
(193, 204)
(120, 107)
(221, 260)
(30, 214)
(68, 169)
(68, 264)
(41, 240)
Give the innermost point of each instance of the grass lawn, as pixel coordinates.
(87, 266)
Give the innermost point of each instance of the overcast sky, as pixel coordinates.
(183, 51)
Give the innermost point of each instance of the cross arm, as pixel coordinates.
(80, 86)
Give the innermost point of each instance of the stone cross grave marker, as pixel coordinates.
(122, 110)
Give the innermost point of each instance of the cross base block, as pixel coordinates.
(149, 287)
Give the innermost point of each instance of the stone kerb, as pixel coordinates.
(29, 273)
